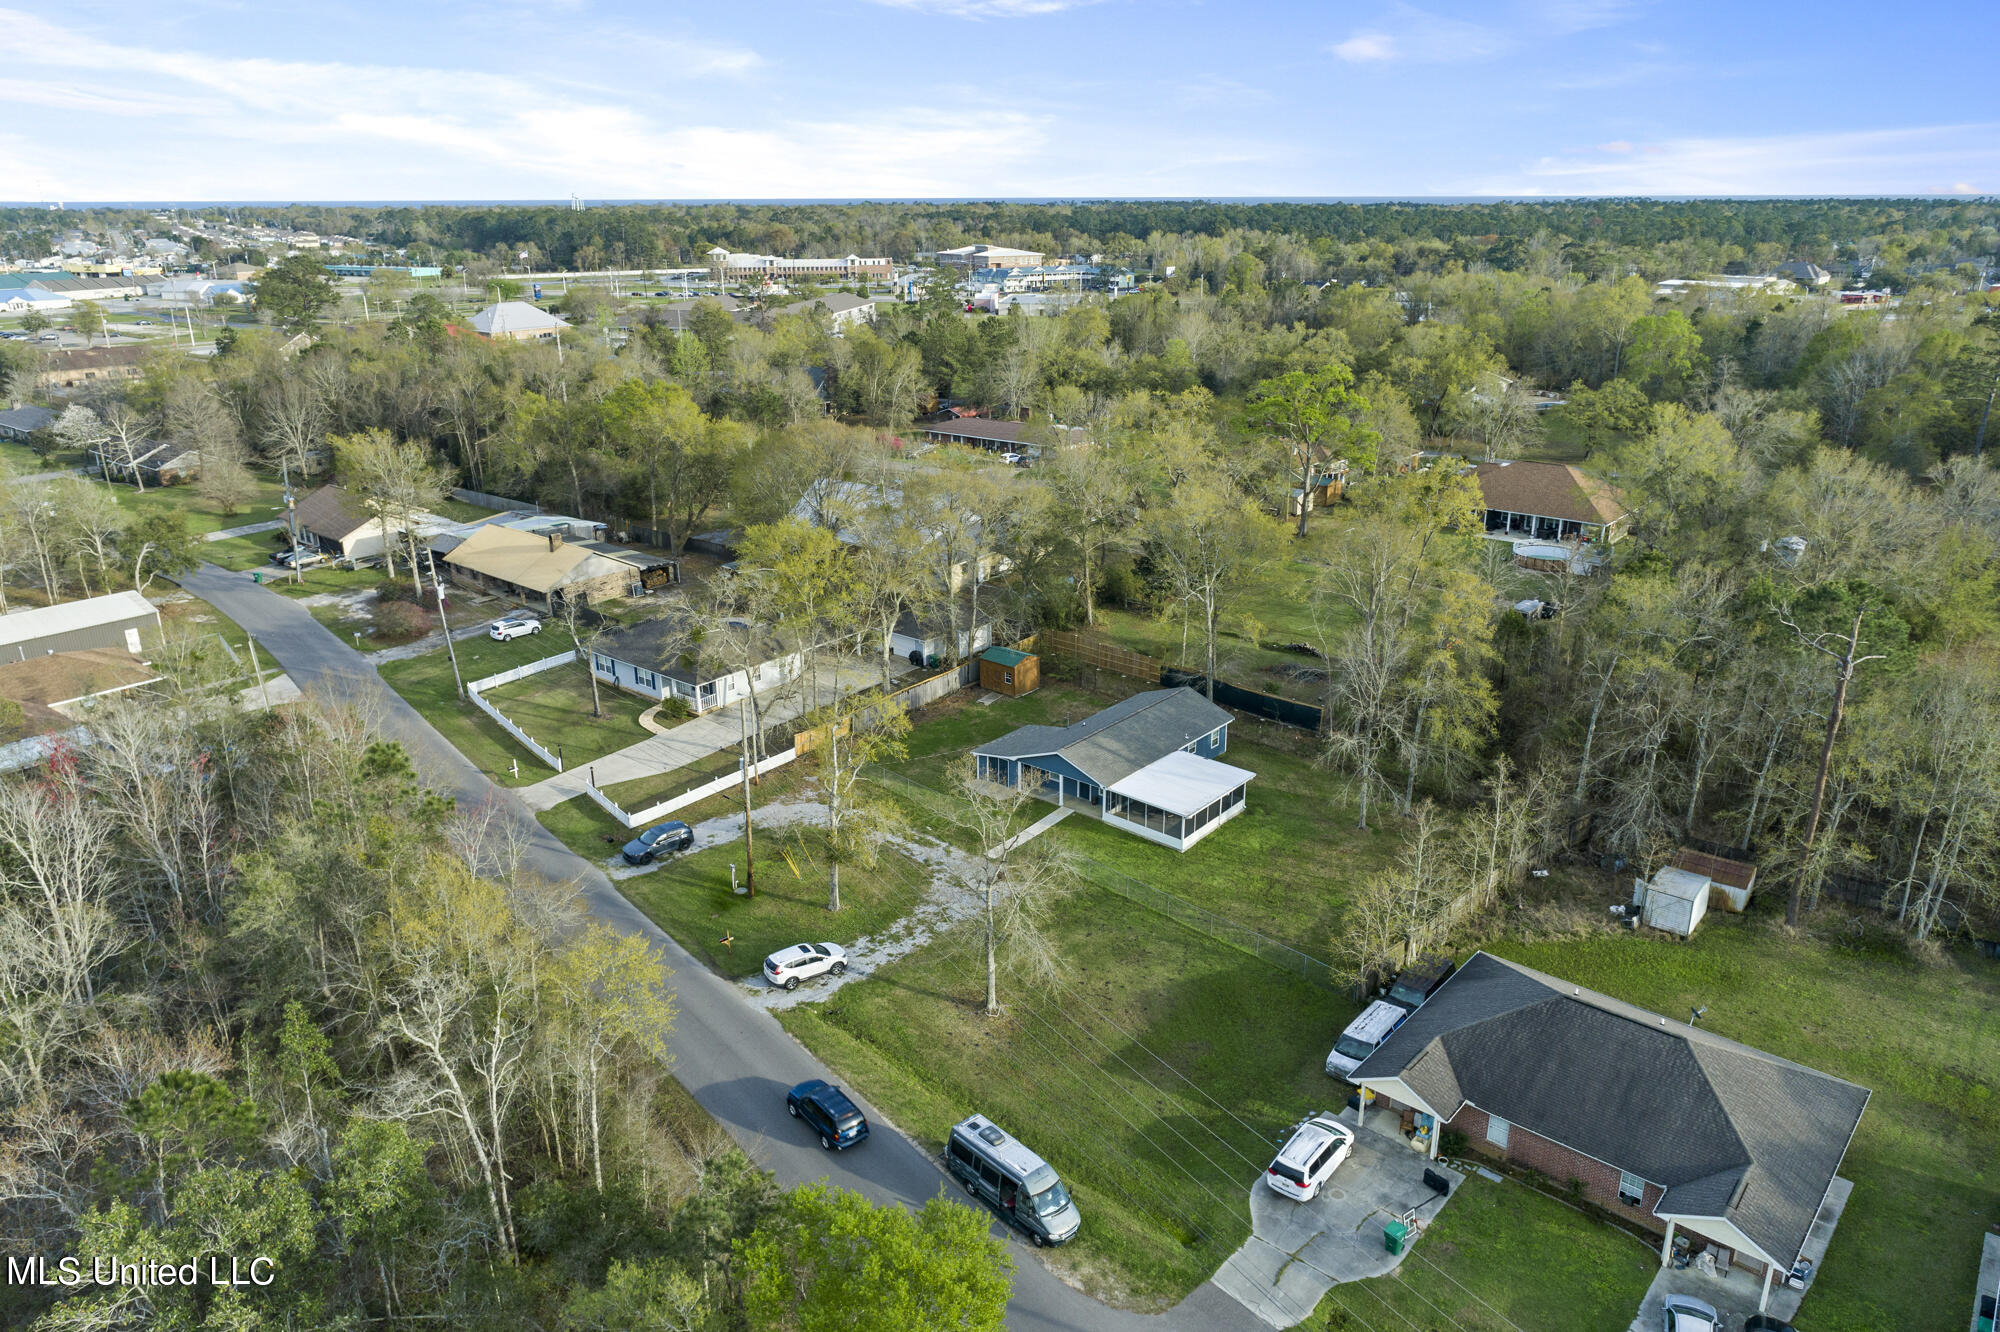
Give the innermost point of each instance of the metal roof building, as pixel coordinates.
(111, 621)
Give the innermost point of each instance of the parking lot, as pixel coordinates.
(1298, 1251)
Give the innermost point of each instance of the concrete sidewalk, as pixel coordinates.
(248, 529)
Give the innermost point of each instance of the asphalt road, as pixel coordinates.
(735, 1059)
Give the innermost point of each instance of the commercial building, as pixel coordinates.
(975, 257)
(726, 265)
(517, 321)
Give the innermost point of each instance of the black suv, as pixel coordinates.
(1420, 980)
(826, 1109)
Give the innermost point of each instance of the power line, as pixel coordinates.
(1461, 1285)
(1135, 1097)
(1169, 1067)
(1159, 1214)
(1253, 1164)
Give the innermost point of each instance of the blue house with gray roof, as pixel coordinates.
(1147, 765)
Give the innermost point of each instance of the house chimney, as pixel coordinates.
(555, 539)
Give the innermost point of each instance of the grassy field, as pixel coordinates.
(1924, 1037)
(264, 502)
(691, 899)
(1134, 1077)
(553, 707)
(1502, 1257)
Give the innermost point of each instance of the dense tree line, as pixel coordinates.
(263, 994)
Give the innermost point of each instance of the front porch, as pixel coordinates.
(1738, 1292)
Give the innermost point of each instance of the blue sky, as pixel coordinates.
(482, 99)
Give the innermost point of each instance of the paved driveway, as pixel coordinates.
(1299, 1251)
(735, 1059)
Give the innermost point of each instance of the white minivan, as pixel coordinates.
(1363, 1035)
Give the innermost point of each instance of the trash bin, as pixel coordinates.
(1393, 1235)
(257, 577)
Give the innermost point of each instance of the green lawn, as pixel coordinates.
(264, 502)
(1502, 1257)
(461, 510)
(553, 707)
(643, 791)
(1924, 1037)
(244, 554)
(691, 899)
(20, 460)
(1137, 1079)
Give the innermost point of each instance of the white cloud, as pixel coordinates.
(1920, 160)
(187, 125)
(1367, 46)
(1408, 33)
(980, 9)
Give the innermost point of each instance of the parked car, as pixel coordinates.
(1001, 1172)
(1363, 1035)
(513, 626)
(1684, 1313)
(143, 323)
(1011, 459)
(827, 1111)
(1309, 1158)
(665, 839)
(1773, 1323)
(299, 557)
(801, 962)
(1420, 980)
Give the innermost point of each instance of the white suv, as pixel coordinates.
(801, 962)
(1310, 1157)
(514, 626)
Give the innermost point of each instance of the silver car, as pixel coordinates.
(1684, 1313)
(801, 962)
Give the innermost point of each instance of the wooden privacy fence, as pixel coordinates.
(1094, 651)
(499, 502)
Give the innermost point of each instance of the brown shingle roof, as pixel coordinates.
(330, 512)
(1548, 490)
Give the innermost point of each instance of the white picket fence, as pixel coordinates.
(474, 689)
(689, 796)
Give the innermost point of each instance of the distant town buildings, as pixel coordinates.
(517, 321)
(975, 257)
(727, 265)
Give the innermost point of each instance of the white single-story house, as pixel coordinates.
(20, 300)
(654, 659)
(1145, 765)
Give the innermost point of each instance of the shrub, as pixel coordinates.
(1453, 1142)
(395, 589)
(401, 620)
(675, 708)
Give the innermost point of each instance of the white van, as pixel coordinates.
(1363, 1035)
(1012, 1180)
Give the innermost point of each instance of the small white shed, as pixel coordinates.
(1674, 901)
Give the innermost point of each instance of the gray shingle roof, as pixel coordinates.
(1115, 743)
(26, 420)
(1726, 1130)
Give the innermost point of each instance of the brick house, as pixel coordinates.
(1669, 1126)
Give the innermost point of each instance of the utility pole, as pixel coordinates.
(450, 650)
(291, 519)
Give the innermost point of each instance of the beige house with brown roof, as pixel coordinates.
(544, 569)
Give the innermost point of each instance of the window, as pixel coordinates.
(1631, 1189)
(1006, 677)
(605, 666)
(1497, 1130)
